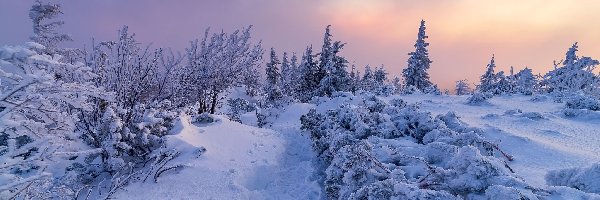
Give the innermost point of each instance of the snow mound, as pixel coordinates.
(584, 179)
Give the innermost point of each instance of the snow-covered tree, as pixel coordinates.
(397, 84)
(488, 80)
(354, 76)
(575, 74)
(462, 87)
(415, 74)
(526, 81)
(380, 76)
(368, 80)
(503, 84)
(215, 64)
(45, 29)
(287, 72)
(308, 76)
(335, 77)
(272, 86)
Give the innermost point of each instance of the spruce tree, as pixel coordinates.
(526, 81)
(575, 75)
(415, 75)
(354, 80)
(332, 67)
(308, 79)
(488, 80)
(462, 87)
(368, 79)
(286, 74)
(272, 90)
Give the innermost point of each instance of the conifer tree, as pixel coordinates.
(272, 90)
(488, 80)
(576, 74)
(308, 78)
(354, 80)
(526, 81)
(462, 87)
(415, 74)
(286, 74)
(332, 67)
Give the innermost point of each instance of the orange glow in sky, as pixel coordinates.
(463, 34)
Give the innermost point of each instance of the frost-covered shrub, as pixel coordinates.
(374, 104)
(583, 102)
(503, 192)
(453, 122)
(475, 172)
(122, 142)
(204, 118)
(410, 89)
(38, 137)
(394, 189)
(432, 90)
(478, 99)
(402, 152)
(237, 107)
(533, 115)
(539, 98)
(396, 102)
(584, 179)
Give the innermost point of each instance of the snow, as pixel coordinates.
(538, 145)
(240, 162)
(275, 162)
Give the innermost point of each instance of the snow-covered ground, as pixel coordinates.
(245, 162)
(241, 162)
(539, 144)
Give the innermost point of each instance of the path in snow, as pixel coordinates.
(241, 162)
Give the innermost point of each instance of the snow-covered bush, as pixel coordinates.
(203, 118)
(539, 98)
(583, 102)
(478, 98)
(237, 107)
(397, 151)
(38, 140)
(585, 179)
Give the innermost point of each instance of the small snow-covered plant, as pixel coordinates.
(433, 89)
(374, 103)
(478, 98)
(539, 98)
(586, 179)
(149, 128)
(237, 107)
(203, 118)
(583, 102)
(397, 102)
(410, 89)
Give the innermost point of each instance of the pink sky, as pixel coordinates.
(463, 34)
